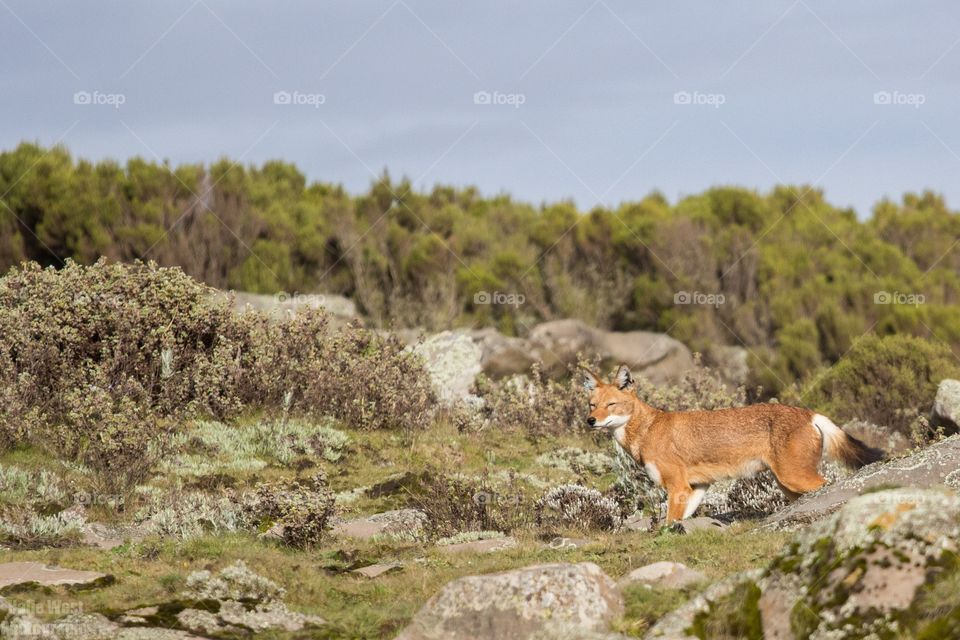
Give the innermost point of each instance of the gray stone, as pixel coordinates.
(673, 626)
(669, 575)
(377, 570)
(488, 545)
(542, 601)
(23, 572)
(946, 405)
(452, 360)
(405, 523)
(698, 524)
(934, 465)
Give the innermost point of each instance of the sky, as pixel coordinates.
(597, 101)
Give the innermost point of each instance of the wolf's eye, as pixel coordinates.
(593, 405)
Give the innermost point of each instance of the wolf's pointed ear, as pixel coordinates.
(590, 381)
(624, 379)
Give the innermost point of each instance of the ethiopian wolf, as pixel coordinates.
(686, 451)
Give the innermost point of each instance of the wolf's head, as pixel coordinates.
(611, 404)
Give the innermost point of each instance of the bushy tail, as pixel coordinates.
(841, 446)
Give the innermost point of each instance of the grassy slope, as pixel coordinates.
(319, 581)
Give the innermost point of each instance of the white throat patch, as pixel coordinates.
(619, 426)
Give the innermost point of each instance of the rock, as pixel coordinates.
(946, 405)
(656, 356)
(401, 523)
(550, 600)
(865, 571)
(377, 570)
(669, 575)
(47, 575)
(698, 524)
(488, 545)
(638, 522)
(674, 625)
(556, 344)
(340, 309)
(732, 363)
(452, 360)
(934, 465)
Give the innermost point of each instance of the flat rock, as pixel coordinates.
(480, 546)
(638, 523)
(937, 464)
(398, 522)
(549, 600)
(48, 575)
(669, 575)
(377, 570)
(698, 524)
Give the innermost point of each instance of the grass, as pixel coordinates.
(319, 581)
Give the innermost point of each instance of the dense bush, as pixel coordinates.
(540, 406)
(456, 503)
(297, 510)
(887, 380)
(572, 506)
(799, 277)
(98, 363)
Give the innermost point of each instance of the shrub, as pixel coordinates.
(699, 388)
(455, 504)
(23, 527)
(98, 363)
(540, 406)
(577, 461)
(298, 510)
(572, 506)
(885, 380)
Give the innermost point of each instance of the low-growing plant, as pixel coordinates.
(298, 510)
(577, 461)
(539, 405)
(700, 388)
(23, 527)
(572, 506)
(457, 503)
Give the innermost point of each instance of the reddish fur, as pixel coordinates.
(696, 448)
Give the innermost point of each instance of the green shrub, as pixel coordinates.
(99, 363)
(297, 510)
(885, 380)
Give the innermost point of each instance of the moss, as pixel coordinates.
(803, 619)
(736, 616)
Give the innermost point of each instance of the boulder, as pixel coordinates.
(549, 600)
(452, 360)
(400, 523)
(946, 405)
(656, 356)
(731, 362)
(868, 570)
(935, 465)
(340, 309)
(675, 624)
(46, 575)
(669, 575)
(504, 356)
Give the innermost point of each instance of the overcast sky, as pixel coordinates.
(595, 101)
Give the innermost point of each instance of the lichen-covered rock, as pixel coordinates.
(452, 360)
(670, 575)
(932, 466)
(883, 566)
(399, 524)
(540, 601)
(946, 405)
(678, 624)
